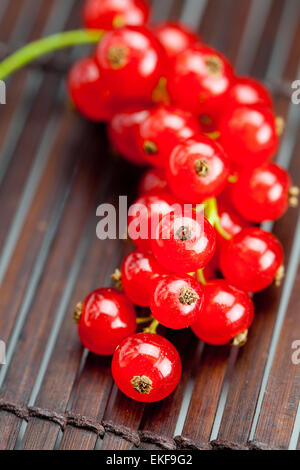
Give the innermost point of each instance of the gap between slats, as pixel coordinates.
(289, 276)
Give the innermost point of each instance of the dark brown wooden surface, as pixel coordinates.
(55, 169)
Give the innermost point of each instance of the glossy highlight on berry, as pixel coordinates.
(146, 367)
(252, 260)
(106, 317)
(226, 313)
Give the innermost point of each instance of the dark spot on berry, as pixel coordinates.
(141, 384)
(214, 65)
(202, 168)
(117, 56)
(150, 147)
(187, 296)
(184, 233)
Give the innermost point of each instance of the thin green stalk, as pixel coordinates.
(200, 276)
(211, 213)
(152, 327)
(141, 320)
(39, 48)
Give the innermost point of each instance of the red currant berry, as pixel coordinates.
(247, 91)
(226, 313)
(252, 260)
(122, 130)
(176, 301)
(144, 215)
(174, 37)
(131, 61)
(198, 169)
(153, 181)
(140, 273)
(184, 244)
(89, 94)
(198, 79)
(106, 318)
(109, 14)
(146, 367)
(262, 193)
(248, 134)
(163, 129)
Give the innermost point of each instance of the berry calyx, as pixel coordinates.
(110, 14)
(150, 148)
(137, 367)
(141, 384)
(294, 192)
(187, 296)
(279, 276)
(184, 244)
(226, 314)
(116, 276)
(117, 56)
(176, 301)
(140, 272)
(105, 318)
(262, 193)
(280, 125)
(240, 339)
(77, 312)
(251, 260)
(198, 169)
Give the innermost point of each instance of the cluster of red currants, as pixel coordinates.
(175, 103)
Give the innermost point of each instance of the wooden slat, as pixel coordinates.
(53, 189)
(9, 19)
(200, 418)
(260, 64)
(281, 400)
(95, 381)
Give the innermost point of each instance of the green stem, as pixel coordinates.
(211, 213)
(152, 327)
(36, 49)
(141, 320)
(232, 179)
(200, 276)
